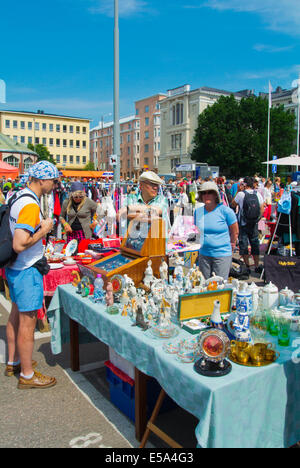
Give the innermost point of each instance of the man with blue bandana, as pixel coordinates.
(24, 275)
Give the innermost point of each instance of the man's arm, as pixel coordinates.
(23, 239)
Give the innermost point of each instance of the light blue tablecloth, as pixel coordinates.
(250, 407)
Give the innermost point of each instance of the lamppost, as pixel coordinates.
(116, 93)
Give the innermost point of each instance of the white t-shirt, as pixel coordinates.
(26, 214)
(239, 199)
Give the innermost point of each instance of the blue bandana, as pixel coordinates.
(43, 170)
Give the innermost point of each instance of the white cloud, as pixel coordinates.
(271, 49)
(126, 7)
(277, 73)
(279, 15)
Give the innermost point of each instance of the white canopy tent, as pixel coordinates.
(292, 160)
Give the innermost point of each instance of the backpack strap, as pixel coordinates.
(14, 199)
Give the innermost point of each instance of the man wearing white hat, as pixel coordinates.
(147, 201)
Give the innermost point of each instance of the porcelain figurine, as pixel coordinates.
(178, 271)
(109, 297)
(148, 278)
(164, 270)
(216, 319)
(215, 279)
(124, 300)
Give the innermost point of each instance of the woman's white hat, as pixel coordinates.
(150, 176)
(207, 186)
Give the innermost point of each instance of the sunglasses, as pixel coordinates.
(208, 192)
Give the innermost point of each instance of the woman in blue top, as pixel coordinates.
(219, 232)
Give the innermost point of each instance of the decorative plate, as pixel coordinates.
(71, 248)
(117, 282)
(55, 266)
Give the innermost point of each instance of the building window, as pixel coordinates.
(22, 124)
(50, 127)
(128, 138)
(84, 159)
(15, 138)
(176, 141)
(128, 150)
(37, 140)
(146, 148)
(22, 139)
(57, 142)
(71, 143)
(64, 158)
(177, 114)
(77, 130)
(7, 123)
(36, 126)
(146, 161)
(147, 121)
(58, 158)
(27, 164)
(57, 127)
(77, 159)
(44, 127)
(84, 130)
(146, 109)
(50, 141)
(71, 159)
(64, 143)
(71, 129)
(146, 135)
(44, 141)
(15, 124)
(77, 143)
(84, 144)
(12, 161)
(137, 111)
(30, 140)
(64, 128)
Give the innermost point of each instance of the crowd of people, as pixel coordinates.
(227, 214)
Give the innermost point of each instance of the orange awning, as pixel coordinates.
(86, 174)
(8, 171)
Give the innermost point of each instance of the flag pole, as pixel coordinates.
(269, 121)
(298, 119)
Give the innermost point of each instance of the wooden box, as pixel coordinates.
(138, 247)
(200, 306)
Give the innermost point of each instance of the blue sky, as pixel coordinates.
(58, 55)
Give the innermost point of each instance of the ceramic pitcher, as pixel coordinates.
(269, 296)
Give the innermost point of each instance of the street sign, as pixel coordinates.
(113, 160)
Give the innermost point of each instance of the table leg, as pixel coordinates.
(140, 404)
(74, 346)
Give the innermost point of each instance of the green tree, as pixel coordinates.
(42, 151)
(89, 167)
(232, 134)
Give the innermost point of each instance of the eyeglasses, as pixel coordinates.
(155, 186)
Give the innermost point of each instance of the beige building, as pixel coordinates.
(179, 120)
(139, 140)
(66, 138)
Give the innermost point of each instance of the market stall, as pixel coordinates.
(259, 403)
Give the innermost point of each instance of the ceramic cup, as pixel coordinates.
(271, 355)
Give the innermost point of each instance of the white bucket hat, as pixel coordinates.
(150, 176)
(207, 186)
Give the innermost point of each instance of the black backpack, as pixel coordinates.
(251, 208)
(7, 253)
